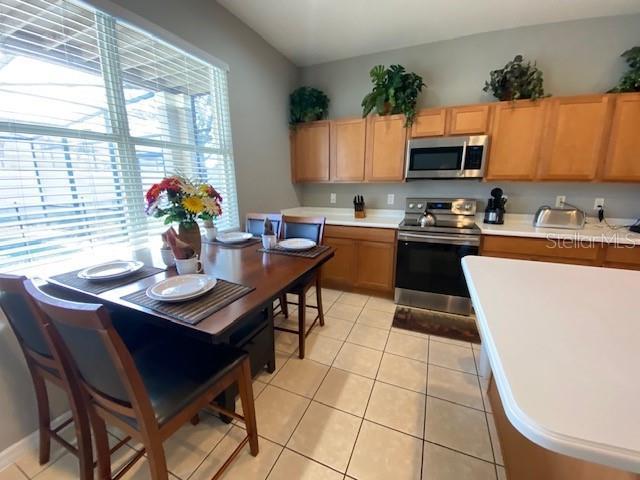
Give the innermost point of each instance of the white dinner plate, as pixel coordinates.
(181, 288)
(111, 270)
(233, 237)
(297, 244)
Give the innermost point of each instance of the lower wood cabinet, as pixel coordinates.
(364, 258)
(561, 251)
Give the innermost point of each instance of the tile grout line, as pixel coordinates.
(486, 419)
(304, 413)
(353, 449)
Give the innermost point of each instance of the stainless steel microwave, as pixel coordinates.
(447, 157)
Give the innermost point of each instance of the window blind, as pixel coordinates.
(92, 112)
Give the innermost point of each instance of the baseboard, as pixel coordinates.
(10, 454)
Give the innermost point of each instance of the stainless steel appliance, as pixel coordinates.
(571, 218)
(432, 240)
(447, 157)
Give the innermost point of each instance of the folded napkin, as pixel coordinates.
(181, 250)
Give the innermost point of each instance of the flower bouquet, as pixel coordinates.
(184, 201)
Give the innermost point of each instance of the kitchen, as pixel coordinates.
(476, 255)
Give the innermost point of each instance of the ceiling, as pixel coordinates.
(317, 31)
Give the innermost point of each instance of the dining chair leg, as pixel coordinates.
(156, 458)
(284, 306)
(44, 418)
(101, 439)
(301, 324)
(195, 420)
(85, 449)
(319, 300)
(248, 407)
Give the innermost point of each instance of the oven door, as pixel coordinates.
(431, 263)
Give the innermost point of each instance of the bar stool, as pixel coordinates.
(311, 228)
(27, 322)
(151, 393)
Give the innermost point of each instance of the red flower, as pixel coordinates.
(213, 193)
(153, 193)
(170, 184)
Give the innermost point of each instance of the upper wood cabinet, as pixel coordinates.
(429, 123)
(469, 120)
(465, 120)
(386, 143)
(310, 152)
(623, 156)
(347, 149)
(515, 140)
(575, 136)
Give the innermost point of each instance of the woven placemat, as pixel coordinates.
(72, 280)
(311, 253)
(248, 243)
(193, 311)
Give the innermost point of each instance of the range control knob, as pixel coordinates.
(411, 205)
(467, 206)
(420, 205)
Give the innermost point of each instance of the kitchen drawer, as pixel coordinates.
(538, 248)
(386, 235)
(623, 256)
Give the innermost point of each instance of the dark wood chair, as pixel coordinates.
(311, 228)
(151, 393)
(254, 223)
(27, 322)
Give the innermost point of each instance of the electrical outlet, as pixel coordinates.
(391, 199)
(332, 198)
(598, 203)
(560, 199)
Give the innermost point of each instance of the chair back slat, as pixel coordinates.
(21, 316)
(311, 228)
(254, 223)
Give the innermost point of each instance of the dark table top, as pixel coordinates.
(269, 274)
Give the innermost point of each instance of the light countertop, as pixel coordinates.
(562, 341)
(516, 225)
(376, 218)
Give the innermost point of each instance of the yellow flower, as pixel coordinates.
(203, 189)
(193, 204)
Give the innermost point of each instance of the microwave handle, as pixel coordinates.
(464, 156)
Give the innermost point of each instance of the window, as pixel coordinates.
(92, 112)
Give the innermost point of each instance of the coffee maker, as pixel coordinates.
(494, 212)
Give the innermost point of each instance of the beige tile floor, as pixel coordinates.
(369, 402)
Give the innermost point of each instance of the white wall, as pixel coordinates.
(576, 57)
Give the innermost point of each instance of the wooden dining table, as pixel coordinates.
(246, 322)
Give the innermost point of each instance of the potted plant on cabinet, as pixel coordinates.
(184, 201)
(630, 81)
(517, 80)
(394, 91)
(307, 104)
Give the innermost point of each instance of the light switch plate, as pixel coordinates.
(332, 198)
(391, 199)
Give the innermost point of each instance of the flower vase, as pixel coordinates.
(190, 233)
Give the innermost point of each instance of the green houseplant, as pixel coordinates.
(394, 91)
(517, 80)
(630, 81)
(307, 104)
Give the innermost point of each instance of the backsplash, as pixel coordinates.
(621, 200)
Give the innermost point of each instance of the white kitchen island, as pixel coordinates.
(563, 342)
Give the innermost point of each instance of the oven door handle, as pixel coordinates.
(443, 239)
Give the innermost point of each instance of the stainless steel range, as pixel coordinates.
(434, 236)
